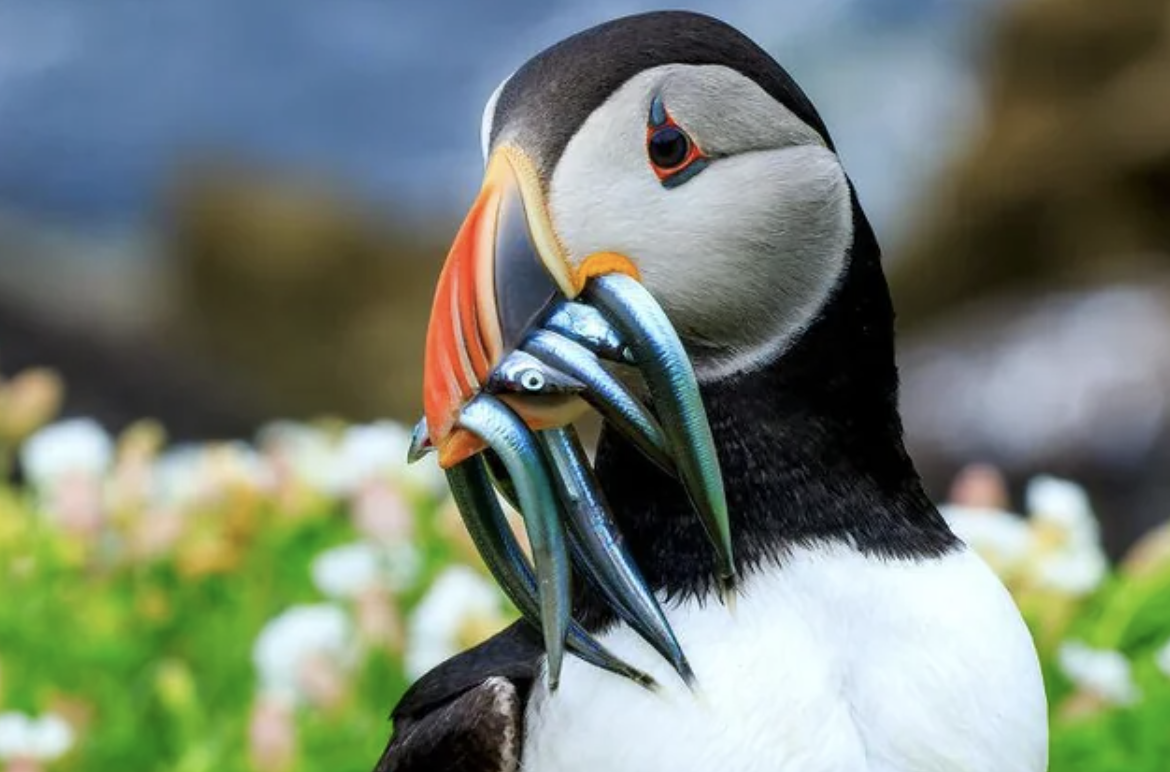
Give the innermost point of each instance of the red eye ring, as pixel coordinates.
(673, 155)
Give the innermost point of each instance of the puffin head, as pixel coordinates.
(658, 194)
(676, 148)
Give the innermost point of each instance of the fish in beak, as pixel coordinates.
(517, 349)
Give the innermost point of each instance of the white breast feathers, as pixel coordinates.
(836, 662)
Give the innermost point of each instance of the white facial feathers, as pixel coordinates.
(489, 115)
(742, 255)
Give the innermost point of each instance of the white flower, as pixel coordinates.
(402, 566)
(344, 572)
(1064, 505)
(378, 451)
(1074, 572)
(426, 476)
(51, 738)
(307, 452)
(290, 641)
(238, 463)
(341, 466)
(1000, 538)
(1069, 556)
(1103, 673)
(1162, 658)
(76, 446)
(461, 605)
(369, 452)
(44, 739)
(188, 474)
(1056, 548)
(177, 476)
(14, 732)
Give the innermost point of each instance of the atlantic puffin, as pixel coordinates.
(748, 575)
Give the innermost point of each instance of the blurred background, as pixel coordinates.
(217, 215)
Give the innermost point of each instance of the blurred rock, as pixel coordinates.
(315, 301)
(121, 379)
(1069, 176)
(1035, 298)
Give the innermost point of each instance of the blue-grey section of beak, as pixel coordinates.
(524, 288)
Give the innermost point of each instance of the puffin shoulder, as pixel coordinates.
(467, 713)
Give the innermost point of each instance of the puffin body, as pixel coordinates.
(833, 661)
(862, 634)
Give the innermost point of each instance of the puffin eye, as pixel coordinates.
(674, 156)
(669, 147)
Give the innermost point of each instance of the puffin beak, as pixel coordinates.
(514, 353)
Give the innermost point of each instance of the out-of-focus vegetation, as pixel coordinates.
(261, 606)
(1066, 178)
(228, 607)
(1033, 292)
(314, 301)
(1102, 630)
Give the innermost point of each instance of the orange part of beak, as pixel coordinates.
(459, 349)
(502, 272)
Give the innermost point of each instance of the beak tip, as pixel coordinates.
(420, 442)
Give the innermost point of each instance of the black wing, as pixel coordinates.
(468, 713)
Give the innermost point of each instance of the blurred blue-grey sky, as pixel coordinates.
(100, 100)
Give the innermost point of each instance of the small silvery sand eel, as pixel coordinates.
(750, 577)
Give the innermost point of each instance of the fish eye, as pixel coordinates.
(532, 380)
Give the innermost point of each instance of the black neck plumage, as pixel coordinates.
(811, 451)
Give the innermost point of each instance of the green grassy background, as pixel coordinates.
(149, 655)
